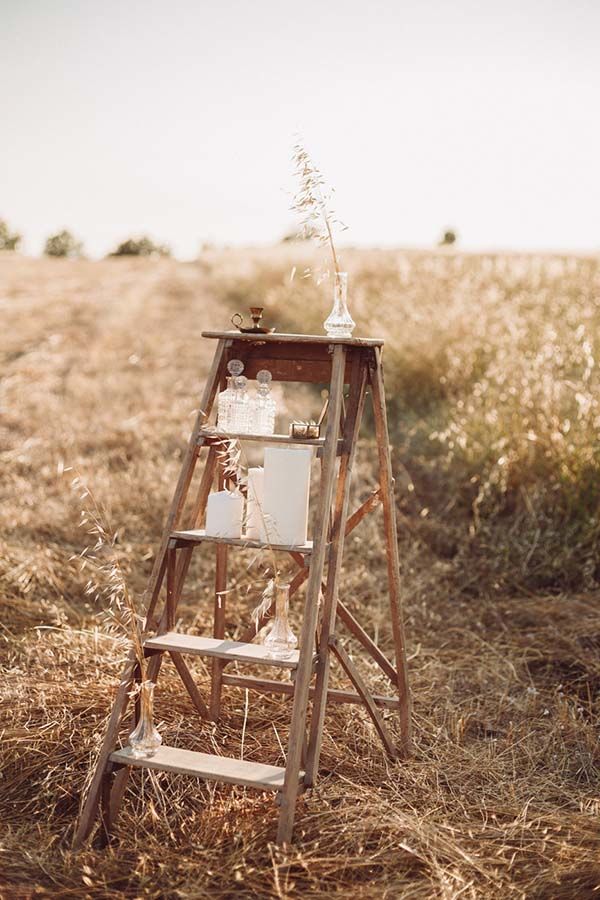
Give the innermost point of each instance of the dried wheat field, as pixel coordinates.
(494, 413)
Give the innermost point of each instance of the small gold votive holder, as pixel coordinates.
(304, 431)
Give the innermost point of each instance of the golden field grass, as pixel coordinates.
(493, 402)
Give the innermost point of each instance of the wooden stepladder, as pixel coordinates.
(357, 364)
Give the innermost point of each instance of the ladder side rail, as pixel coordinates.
(336, 549)
(185, 476)
(391, 536)
(307, 636)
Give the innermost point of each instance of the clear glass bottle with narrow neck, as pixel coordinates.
(240, 410)
(145, 740)
(235, 367)
(264, 406)
(281, 641)
(339, 322)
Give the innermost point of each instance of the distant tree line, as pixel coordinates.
(65, 245)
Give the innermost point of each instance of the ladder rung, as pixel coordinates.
(334, 695)
(197, 535)
(210, 434)
(205, 765)
(221, 648)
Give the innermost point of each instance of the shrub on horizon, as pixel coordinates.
(296, 236)
(142, 246)
(8, 240)
(63, 244)
(448, 238)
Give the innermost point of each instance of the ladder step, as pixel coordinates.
(197, 535)
(209, 434)
(221, 648)
(207, 766)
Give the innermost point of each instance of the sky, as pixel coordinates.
(178, 120)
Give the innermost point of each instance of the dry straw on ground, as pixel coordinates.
(490, 365)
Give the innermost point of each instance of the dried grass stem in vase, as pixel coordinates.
(318, 218)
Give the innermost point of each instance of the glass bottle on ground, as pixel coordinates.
(145, 740)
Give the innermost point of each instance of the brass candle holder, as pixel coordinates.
(256, 314)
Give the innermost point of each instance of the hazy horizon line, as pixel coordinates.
(214, 246)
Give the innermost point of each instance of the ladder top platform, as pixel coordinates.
(276, 338)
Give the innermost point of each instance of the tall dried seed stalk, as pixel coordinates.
(108, 582)
(235, 467)
(313, 203)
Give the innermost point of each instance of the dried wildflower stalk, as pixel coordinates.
(313, 203)
(108, 582)
(235, 467)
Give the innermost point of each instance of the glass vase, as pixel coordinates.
(145, 740)
(339, 323)
(281, 641)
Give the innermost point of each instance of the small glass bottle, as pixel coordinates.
(281, 641)
(240, 407)
(235, 367)
(145, 740)
(264, 406)
(339, 323)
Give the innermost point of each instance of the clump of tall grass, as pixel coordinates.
(121, 609)
(493, 384)
(524, 437)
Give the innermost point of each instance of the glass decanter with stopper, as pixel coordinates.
(264, 406)
(239, 422)
(145, 740)
(281, 641)
(235, 367)
(339, 323)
